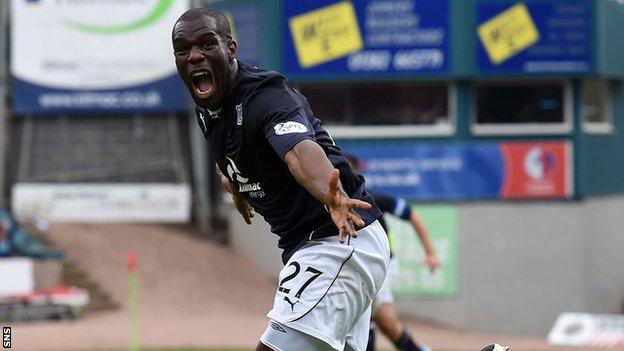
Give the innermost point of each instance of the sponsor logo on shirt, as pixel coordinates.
(244, 186)
(290, 127)
(234, 173)
(258, 194)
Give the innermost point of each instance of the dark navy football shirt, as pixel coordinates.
(262, 119)
(392, 204)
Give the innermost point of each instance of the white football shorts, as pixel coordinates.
(325, 292)
(384, 296)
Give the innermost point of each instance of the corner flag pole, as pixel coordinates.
(133, 305)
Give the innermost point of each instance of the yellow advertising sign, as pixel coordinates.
(508, 33)
(325, 34)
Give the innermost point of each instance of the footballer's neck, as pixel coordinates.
(233, 74)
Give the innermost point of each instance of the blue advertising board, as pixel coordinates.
(246, 21)
(365, 37)
(470, 171)
(534, 37)
(165, 95)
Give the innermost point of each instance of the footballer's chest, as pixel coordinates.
(244, 176)
(242, 160)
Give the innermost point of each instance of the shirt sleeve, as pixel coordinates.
(394, 205)
(401, 208)
(282, 120)
(285, 132)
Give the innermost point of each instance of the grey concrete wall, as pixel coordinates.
(604, 233)
(519, 268)
(520, 264)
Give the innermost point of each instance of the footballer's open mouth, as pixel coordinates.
(203, 83)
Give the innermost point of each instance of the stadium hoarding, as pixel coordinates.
(365, 38)
(104, 56)
(468, 171)
(538, 37)
(414, 278)
(246, 21)
(17, 275)
(79, 202)
(587, 329)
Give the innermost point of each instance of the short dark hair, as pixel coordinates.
(223, 23)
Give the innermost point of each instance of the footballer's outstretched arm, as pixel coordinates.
(313, 170)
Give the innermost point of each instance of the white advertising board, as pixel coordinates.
(85, 55)
(585, 329)
(16, 276)
(157, 203)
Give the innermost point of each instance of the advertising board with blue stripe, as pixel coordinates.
(366, 37)
(534, 37)
(76, 57)
(467, 171)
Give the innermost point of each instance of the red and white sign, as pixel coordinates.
(537, 170)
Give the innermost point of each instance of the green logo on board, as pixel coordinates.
(159, 10)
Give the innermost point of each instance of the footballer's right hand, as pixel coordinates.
(243, 207)
(341, 209)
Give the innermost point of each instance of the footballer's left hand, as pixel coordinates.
(341, 209)
(243, 207)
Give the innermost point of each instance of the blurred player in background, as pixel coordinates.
(276, 159)
(384, 312)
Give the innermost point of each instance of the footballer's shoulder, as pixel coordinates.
(257, 71)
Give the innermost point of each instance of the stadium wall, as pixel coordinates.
(522, 264)
(609, 36)
(602, 170)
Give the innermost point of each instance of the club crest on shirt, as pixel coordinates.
(290, 127)
(239, 114)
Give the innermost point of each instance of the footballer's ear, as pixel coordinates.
(232, 48)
